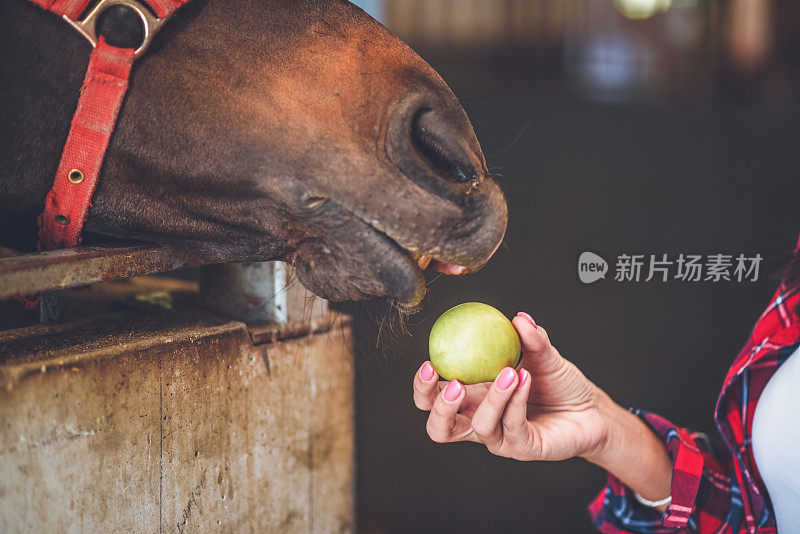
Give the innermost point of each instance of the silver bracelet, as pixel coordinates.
(652, 504)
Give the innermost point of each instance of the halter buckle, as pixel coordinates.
(88, 25)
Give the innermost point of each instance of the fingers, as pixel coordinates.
(515, 417)
(537, 352)
(445, 424)
(486, 420)
(425, 386)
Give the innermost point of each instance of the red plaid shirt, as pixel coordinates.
(716, 487)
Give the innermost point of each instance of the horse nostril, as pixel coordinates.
(434, 144)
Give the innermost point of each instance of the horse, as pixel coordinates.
(258, 130)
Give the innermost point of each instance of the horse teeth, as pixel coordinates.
(422, 261)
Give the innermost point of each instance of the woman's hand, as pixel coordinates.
(546, 411)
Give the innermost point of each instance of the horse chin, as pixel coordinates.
(351, 287)
(366, 266)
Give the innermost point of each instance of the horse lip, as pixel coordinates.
(423, 261)
(414, 259)
(407, 309)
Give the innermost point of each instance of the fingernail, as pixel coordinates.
(426, 371)
(452, 391)
(528, 317)
(523, 378)
(506, 378)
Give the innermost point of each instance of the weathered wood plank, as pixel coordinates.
(29, 274)
(175, 425)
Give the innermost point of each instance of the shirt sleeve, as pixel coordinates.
(702, 492)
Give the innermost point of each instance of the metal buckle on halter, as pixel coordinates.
(88, 25)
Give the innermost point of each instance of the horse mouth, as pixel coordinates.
(443, 267)
(420, 263)
(424, 263)
(351, 254)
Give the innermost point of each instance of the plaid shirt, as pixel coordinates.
(716, 487)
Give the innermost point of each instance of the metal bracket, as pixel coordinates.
(259, 293)
(88, 25)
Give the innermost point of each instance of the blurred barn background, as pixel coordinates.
(627, 126)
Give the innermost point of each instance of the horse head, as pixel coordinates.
(259, 130)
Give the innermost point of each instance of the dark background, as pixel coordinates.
(702, 162)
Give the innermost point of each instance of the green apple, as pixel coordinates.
(473, 342)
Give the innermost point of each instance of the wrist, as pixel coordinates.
(633, 453)
(614, 420)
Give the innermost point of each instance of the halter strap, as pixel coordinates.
(72, 9)
(103, 90)
(68, 201)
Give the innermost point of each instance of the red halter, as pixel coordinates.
(67, 204)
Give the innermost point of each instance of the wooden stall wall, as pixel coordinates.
(160, 417)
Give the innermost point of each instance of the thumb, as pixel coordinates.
(538, 355)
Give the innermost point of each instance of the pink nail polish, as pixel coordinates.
(523, 378)
(426, 371)
(528, 317)
(452, 391)
(506, 378)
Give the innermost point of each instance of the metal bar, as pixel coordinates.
(249, 292)
(30, 274)
(259, 293)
